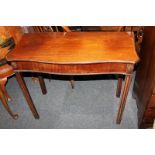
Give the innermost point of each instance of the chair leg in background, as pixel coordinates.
(5, 104)
(3, 83)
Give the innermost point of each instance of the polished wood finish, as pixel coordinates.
(72, 82)
(42, 84)
(12, 31)
(75, 53)
(119, 87)
(40, 78)
(5, 72)
(66, 28)
(76, 47)
(26, 93)
(50, 29)
(3, 82)
(144, 85)
(154, 91)
(71, 69)
(3, 53)
(128, 79)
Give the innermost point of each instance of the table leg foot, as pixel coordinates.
(26, 93)
(128, 79)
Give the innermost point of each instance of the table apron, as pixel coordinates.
(73, 69)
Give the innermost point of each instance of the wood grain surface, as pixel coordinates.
(76, 47)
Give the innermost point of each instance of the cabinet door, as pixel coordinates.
(154, 90)
(143, 66)
(145, 75)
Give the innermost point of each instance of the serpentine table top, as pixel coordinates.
(75, 53)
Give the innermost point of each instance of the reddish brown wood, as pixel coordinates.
(66, 29)
(76, 47)
(3, 83)
(42, 84)
(5, 69)
(72, 82)
(40, 79)
(128, 79)
(5, 72)
(119, 87)
(12, 31)
(76, 54)
(26, 93)
(71, 69)
(5, 104)
(152, 102)
(154, 91)
(144, 84)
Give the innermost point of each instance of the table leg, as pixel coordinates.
(124, 95)
(50, 77)
(72, 82)
(119, 87)
(5, 104)
(42, 84)
(26, 93)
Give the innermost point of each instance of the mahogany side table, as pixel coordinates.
(75, 53)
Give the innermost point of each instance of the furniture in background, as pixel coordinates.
(51, 28)
(110, 28)
(5, 72)
(144, 85)
(103, 28)
(84, 53)
(9, 35)
(138, 31)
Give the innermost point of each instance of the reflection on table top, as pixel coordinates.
(76, 47)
